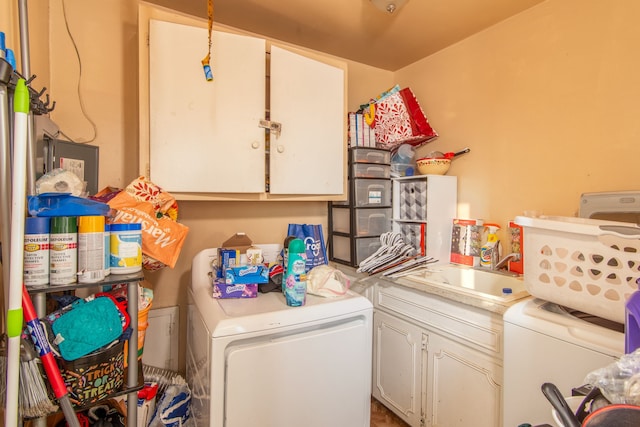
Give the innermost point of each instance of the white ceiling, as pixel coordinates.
(355, 29)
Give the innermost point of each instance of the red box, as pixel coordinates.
(516, 246)
(467, 238)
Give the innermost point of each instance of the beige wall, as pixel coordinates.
(548, 103)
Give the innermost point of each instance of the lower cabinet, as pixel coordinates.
(398, 359)
(432, 364)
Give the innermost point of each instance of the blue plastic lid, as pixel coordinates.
(37, 225)
(126, 227)
(107, 227)
(64, 204)
(11, 58)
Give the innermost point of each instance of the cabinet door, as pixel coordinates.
(397, 366)
(307, 98)
(463, 386)
(204, 135)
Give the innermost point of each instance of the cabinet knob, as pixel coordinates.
(255, 145)
(280, 148)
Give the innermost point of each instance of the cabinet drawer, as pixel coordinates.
(368, 170)
(477, 327)
(372, 193)
(370, 155)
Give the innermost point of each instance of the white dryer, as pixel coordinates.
(258, 362)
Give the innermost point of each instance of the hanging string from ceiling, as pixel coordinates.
(207, 59)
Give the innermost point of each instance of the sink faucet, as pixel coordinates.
(498, 264)
(502, 264)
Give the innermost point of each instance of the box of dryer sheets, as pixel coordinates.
(246, 274)
(242, 290)
(467, 238)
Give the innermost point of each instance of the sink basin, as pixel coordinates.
(467, 280)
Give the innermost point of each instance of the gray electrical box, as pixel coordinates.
(52, 153)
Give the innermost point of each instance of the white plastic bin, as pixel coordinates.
(585, 264)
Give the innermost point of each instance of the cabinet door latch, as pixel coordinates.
(274, 127)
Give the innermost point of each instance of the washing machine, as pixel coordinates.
(546, 342)
(258, 362)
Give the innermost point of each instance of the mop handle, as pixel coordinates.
(42, 345)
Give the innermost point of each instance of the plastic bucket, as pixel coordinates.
(143, 324)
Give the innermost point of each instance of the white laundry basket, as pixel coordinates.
(585, 264)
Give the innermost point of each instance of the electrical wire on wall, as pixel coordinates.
(80, 99)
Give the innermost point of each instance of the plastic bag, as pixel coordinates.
(619, 382)
(398, 119)
(326, 281)
(174, 407)
(311, 235)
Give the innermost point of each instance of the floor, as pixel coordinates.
(382, 417)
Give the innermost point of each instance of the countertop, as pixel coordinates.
(360, 282)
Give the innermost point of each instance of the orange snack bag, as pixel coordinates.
(162, 238)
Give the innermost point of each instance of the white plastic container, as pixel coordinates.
(585, 264)
(126, 248)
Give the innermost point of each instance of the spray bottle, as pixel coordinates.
(295, 283)
(487, 251)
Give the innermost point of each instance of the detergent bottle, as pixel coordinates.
(489, 250)
(295, 280)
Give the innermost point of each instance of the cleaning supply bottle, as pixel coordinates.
(490, 248)
(295, 283)
(285, 258)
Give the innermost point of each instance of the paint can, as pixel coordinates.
(36, 251)
(126, 248)
(90, 249)
(63, 250)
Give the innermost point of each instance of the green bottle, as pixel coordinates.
(295, 283)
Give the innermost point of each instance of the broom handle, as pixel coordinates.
(18, 196)
(48, 361)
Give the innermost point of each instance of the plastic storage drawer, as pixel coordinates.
(372, 222)
(372, 193)
(368, 170)
(364, 247)
(585, 264)
(368, 221)
(370, 155)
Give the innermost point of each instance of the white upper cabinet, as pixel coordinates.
(204, 134)
(206, 137)
(307, 98)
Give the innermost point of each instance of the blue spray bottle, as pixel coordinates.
(295, 283)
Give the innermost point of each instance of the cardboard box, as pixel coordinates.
(239, 241)
(467, 238)
(226, 258)
(246, 274)
(224, 290)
